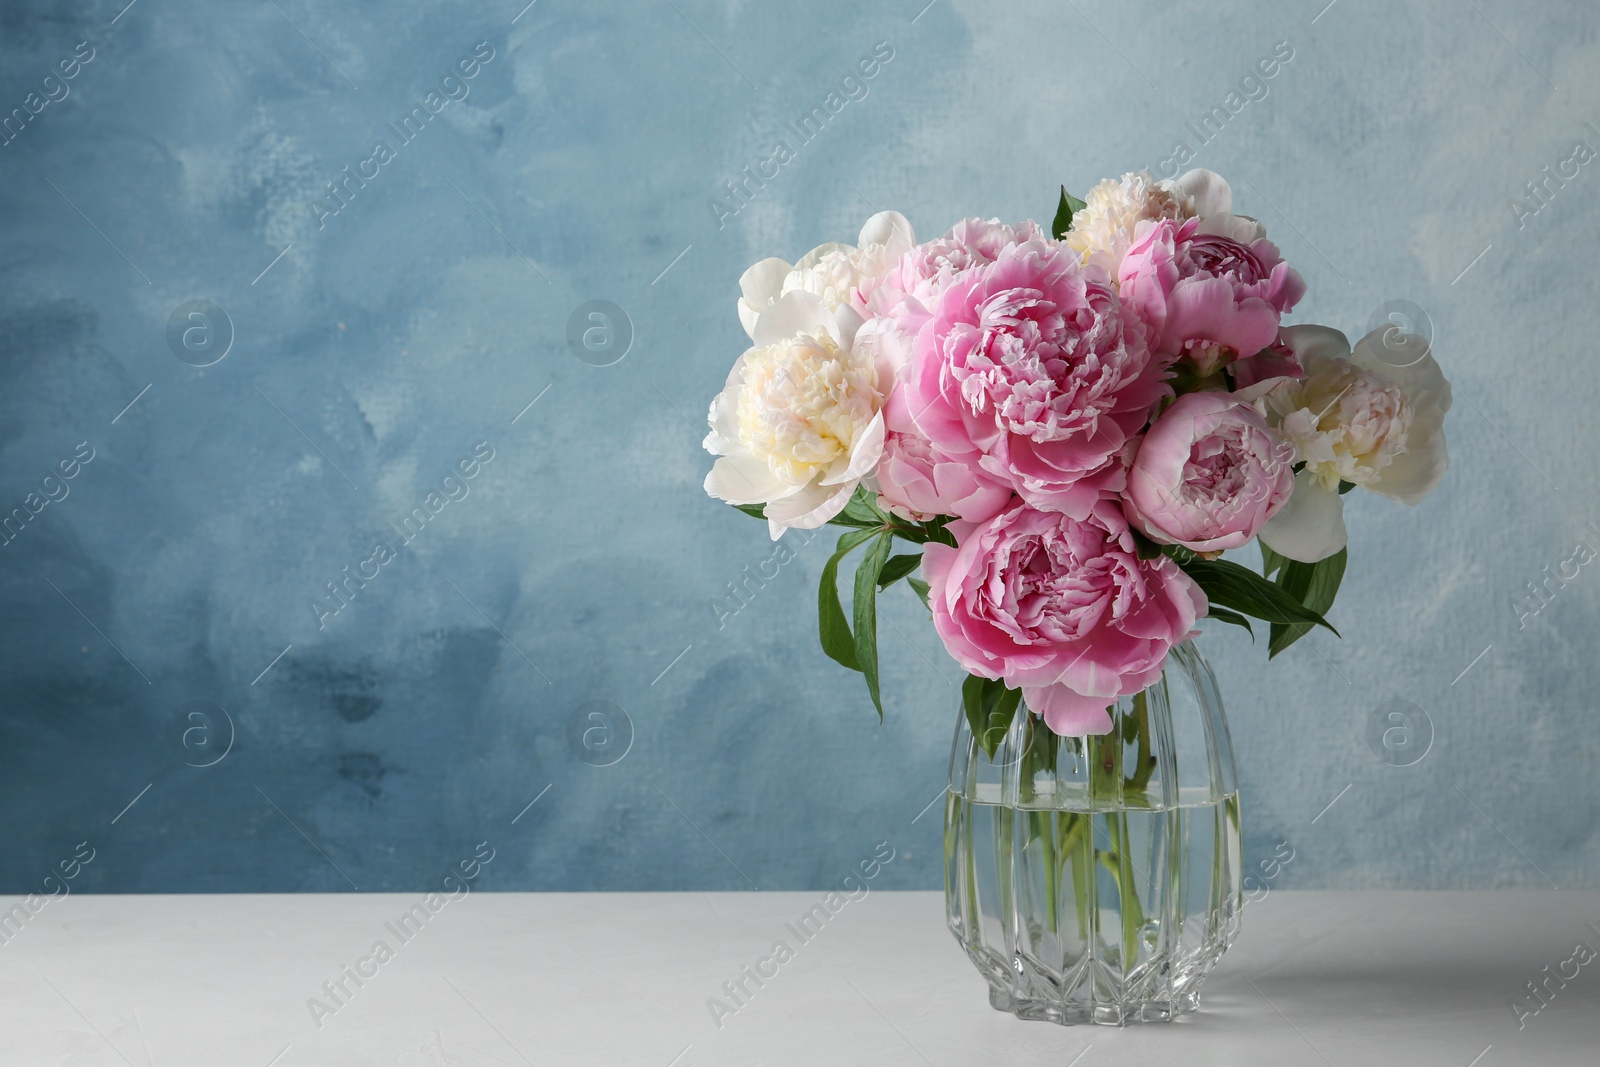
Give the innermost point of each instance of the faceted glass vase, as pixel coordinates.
(1097, 879)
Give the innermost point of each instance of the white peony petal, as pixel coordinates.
(724, 414)
(759, 287)
(847, 321)
(1310, 526)
(811, 258)
(890, 229)
(743, 479)
(1241, 228)
(1406, 360)
(793, 313)
(1312, 342)
(1210, 191)
(1414, 473)
(864, 454)
(807, 509)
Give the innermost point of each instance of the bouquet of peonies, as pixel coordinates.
(1070, 428)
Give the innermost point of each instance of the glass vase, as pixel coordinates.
(1097, 879)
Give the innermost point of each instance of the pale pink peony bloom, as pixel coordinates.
(1033, 363)
(924, 272)
(839, 275)
(1116, 211)
(1373, 417)
(1063, 608)
(1212, 289)
(799, 422)
(918, 482)
(1208, 474)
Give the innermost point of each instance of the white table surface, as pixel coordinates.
(1371, 978)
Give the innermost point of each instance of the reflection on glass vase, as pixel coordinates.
(1097, 879)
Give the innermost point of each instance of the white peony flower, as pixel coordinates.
(1373, 417)
(836, 273)
(800, 420)
(1108, 224)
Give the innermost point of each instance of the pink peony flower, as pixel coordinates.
(923, 273)
(918, 482)
(1032, 363)
(1212, 289)
(1277, 360)
(1208, 474)
(1062, 607)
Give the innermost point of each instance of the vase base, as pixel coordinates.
(1130, 1013)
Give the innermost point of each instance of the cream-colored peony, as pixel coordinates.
(840, 275)
(1108, 224)
(800, 419)
(1373, 417)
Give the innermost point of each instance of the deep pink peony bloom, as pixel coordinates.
(1033, 364)
(1208, 474)
(1062, 607)
(916, 481)
(1209, 288)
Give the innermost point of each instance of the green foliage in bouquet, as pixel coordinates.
(1291, 605)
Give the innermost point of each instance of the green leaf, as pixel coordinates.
(898, 567)
(937, 533)
(1064, 211)
(1231, 586)
(832, 627)
(757, 510)
(860, 511)
(1345, 487)
(1315, 585)
(972, 702)
(1000, 716)
(1178, 554)
(1233, 618)
(1270, 560)
(921, 533)
(866, 613)
(990, 708)
(920, 587)
(1146, 548)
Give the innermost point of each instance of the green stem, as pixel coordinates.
(1146, 761)
(1106, 783)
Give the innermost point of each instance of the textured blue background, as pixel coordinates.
(582, 566)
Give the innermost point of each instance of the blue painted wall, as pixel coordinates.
(381, 335)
